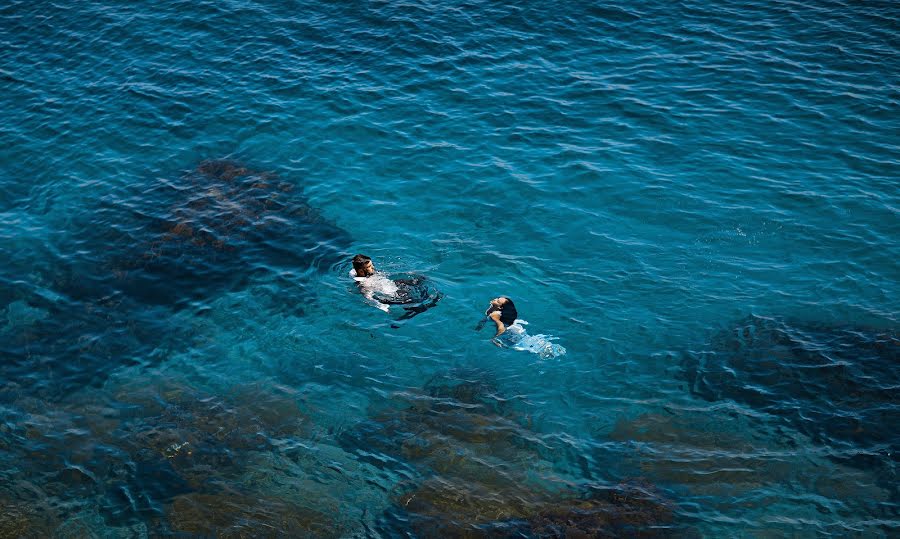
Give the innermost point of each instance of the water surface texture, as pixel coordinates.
(697, 201)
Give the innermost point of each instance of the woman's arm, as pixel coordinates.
(495, 316)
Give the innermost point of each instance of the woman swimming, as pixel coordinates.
(511, 331)
(502, 311)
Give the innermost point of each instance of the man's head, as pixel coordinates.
(363, 266)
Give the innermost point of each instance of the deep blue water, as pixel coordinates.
(697, 200)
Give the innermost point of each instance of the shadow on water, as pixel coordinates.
(836, 385)
(473, 468)
(104, 297)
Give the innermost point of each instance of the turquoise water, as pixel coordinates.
(698, 201)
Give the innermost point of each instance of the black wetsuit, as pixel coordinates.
(414, 295)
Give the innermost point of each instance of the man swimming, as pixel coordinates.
(412, 294)
(371, 282)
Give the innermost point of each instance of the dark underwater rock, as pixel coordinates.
(105, 296)
(77, 344)
(435, 429)
(179, 459)
(837, 385)
(20, 519)
(624, 510)
(470, 387)
(730, 462)
(460, 456)
(204, 437)
(446, 509)
(230, 514)
(475, 470)
(708, 457)
(225, 224)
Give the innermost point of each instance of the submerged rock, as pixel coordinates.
(472, 435)
(475, 471)
(440, 508)
(730, 462)
(723, 456)
(108, 293)
(225, 224)
(122, 292)
(151, 441)
(624, 510)
(79, 343)
(229, 514)
(29, 517)
(836, 385)
(204, 437)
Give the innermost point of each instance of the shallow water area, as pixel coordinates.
(693, 205)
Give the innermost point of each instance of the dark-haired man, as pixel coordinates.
(362, 266)
(412, 294)
(372, 283)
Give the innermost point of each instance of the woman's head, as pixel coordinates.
(507, 308)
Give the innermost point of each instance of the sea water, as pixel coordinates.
(697, 200)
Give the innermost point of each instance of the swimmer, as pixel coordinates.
(412, 294)
(371, 282)
(511, 331)
(502, 311)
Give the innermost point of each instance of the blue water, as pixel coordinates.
(698, 201)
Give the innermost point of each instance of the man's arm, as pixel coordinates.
(369, 294)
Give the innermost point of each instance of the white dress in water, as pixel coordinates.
(517, 338)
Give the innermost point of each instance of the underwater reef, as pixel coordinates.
(100, 426)
(836, 385)
(226, 224)
(472, 468)
(147, 252)
(163, 457)
(731, 462)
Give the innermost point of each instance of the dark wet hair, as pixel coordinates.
(508, 312)
(360, 261)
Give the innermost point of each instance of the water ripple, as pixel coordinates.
(700, 200)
